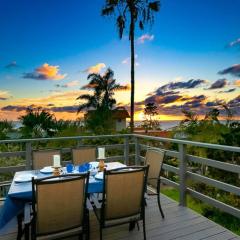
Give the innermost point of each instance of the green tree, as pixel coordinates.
(150, 111)
(100, 103)
(129, 14)
(5, 128)
(38, 123)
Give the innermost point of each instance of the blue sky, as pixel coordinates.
(187, 41)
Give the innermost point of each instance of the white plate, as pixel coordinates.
(48, 169)
(24, 178)
(94, 164)
(99, 176)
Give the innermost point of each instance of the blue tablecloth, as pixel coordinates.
(20, 193)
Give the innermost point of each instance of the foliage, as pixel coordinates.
(231, 138)
(212, 130)
(101, 102)
(103, 87)
(38, 123)
(69, 128)
(100, 121)
(133, 12)
(128, 15)
(150, 111)
(194, 129)
(5, 128)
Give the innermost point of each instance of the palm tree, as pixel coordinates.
(131, 13)
(38, 123)
(5, 128)
(150, 110)
(103, 87)
(101, 101)
(190, 117)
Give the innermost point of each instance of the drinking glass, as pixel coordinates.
(70, 167)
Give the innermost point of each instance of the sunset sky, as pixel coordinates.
(189, 59)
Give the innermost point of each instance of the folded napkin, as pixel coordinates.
(84, 167)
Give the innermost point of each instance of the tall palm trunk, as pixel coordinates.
(132, 72)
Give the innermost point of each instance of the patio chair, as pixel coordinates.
(83, 155)
(122, 199)
(58, 207)
(43, 158)
(154, 158)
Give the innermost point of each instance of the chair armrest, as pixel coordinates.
(27, 213)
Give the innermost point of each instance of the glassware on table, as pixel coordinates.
(84, 167)
(69, 167)
(93, 171)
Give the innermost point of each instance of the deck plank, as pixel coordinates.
(180, 223)
(226, 235)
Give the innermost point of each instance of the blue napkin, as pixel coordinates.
(84, 167)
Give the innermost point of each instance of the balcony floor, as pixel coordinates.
(180, 223)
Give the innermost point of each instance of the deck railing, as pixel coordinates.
(132, 148)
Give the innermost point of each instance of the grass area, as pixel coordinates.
(228, 221)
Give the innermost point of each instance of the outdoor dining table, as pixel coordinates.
(20, 193)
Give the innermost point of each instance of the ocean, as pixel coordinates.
(165, 125)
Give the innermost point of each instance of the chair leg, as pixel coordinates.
(131, 226)
(158, 198)
(26, 232)
(159, 205)
(80, 236)
(20, 230)
(101, 233)
(88, 229)
(144, 229)
(138, 225)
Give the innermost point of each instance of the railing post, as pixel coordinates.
(137, 151)
(28, 155)
(126, 150)
(182, 173)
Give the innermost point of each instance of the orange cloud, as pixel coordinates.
(71, 84)
(96, 68)
(124, 88)
(237, 83)
(45, 72)
(17, 107)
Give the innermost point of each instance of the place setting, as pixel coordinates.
(95, 167)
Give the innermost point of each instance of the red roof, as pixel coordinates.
(120, 113)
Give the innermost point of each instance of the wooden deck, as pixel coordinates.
(180, 223)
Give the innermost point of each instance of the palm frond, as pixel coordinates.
(84, 97)
(108, 10)
(93, 76)
(141, 25)
(120, 25)
(154, 6)
(82, 107)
